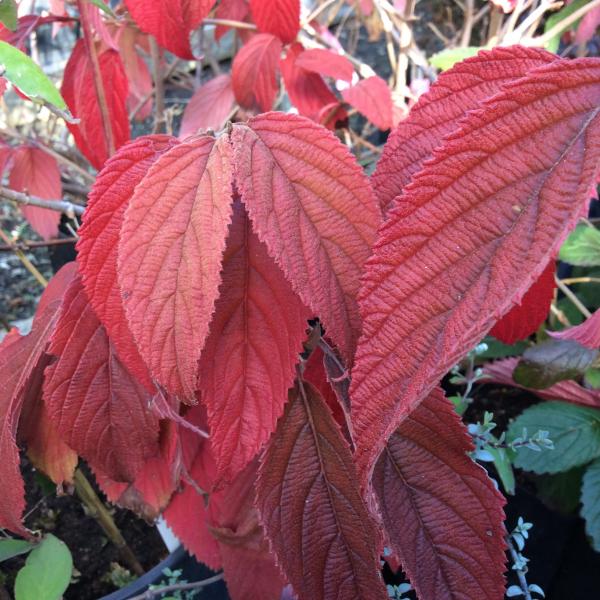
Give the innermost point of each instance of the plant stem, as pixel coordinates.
(25, 199)
(160, 123)
(28, 245)
(468, 24)
(194, 585)
(96, 508)
(566, 22)
(98, 84)
(520, 574)
(230, 23)
(573, 298)
(26, 262)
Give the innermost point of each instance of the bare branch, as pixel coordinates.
(63, 206)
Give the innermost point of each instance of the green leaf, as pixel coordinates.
(10, 548)
(8, 14)
(20, 70)
(47, 572)
(552, 361)
(446, 59)
(556, 18)
(575, 431)
(592, 378)
(497, 349)
(590, 503)
(561, 491)
(503, 464)
(582, 247)
(103, 7)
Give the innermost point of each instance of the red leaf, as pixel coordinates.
(209, 107)
(254, 72)
(99, 238)
(248, 362)
(372, 97)
(442, 513)
(326, 62)
(468, 237)
(501, 372)
(310, 505)
(313, 207)
(279, 17)
(172, 241)
(36, 172)
(308, 92)
(79, 93)
(170, 22)
(99, 409)
(230, 10)
(440, 110)
(587, 334)
(524, 319)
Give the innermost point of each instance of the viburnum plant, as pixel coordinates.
(252, 337)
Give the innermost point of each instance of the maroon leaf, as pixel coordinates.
(372, 97)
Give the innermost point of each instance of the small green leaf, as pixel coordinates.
(496, 349)
(103, 7)
(556, 18)
(561, 491)
(592, 378)
(502, 462)
(582, 247)
(47, 571)
(545, 364)
(8, 14)
(590, 501)
(10, 548)
(575, 431)
(20, 70)
(446, 59)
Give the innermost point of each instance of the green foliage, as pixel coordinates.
(47, 571)
(575, 431)
(10, 548)
(582, 247)
(590, 501)
(496, 349)
(592, 378)
(561, 490)
(446, 59)
(556, 18)
(8, 14)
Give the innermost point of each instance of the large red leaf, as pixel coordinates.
(99, 239)
(21, 363)
(469, 236)
(309, 500)
(279, 17)
(308, 92)
(524, 319)
(208, 108)
(249, 359)
(439, 111)
(254, 72)
(326, 62)
(587, 334)
(442, 513)
(78, 90)
(372, 97)
(170, 21)
(172, 241)
(97, 406)
(36, 172)
(313, 207)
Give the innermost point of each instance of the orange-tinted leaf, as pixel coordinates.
(469, 236)
(79, 93)
(208, 108)
(326, 62)
(372, 97)
(99, 409)
(442, 513)
(309, 500)
(248, 362)
(313, 207)
(170, 251)
(439, 111)
(99, 239)
(587, 334)
(170, 22)
(36, 172)
(279, 17)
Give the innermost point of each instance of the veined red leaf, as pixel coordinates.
(99, 239)
(313, 207)
(310, 504)
(96, 404)
(36, 172)
(326, 62)
(254, 72)
(170, 22)
(308, 92)
(372, 97)
(440, 509)
(248, 362)
(172, 242)
(439, 111)
(230, 10)
(78, 90)
(524, 319)
(209, 107)
(279, 17)
(501, 372)
(587, 334)
(468, 237)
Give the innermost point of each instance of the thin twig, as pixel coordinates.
(230, 23)
(566, 22)
(468, 23)
(520, 574)
(194, 585)
(572, 297)
(24, 260)
(64, 206)
(29, 245)
(160, 123)
(574, 280)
